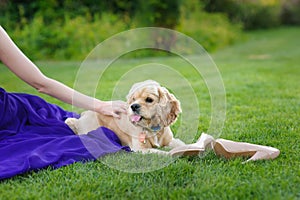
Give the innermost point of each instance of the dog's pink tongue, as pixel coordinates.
(135, 118)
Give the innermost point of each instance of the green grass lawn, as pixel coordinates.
(262, 81)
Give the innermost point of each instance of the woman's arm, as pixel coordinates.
(26, 70)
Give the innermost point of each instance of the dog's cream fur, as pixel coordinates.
(152, 109)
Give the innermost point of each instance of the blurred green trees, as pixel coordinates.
(54, 29)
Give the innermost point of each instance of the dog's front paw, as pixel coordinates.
(72, 123)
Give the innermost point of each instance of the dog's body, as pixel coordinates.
(152, 109)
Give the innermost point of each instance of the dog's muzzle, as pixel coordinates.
(135, 108)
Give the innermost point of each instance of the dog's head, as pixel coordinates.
(151, 106)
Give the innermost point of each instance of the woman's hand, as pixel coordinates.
(112, 108)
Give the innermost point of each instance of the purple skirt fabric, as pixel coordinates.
(33, 136)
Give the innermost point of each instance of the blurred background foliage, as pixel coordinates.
(63, 30)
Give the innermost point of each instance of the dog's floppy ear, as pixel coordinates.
(172, 106)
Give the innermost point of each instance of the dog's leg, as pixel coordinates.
(156, 144)
(86, 123)
(73, 124)
(136, 147)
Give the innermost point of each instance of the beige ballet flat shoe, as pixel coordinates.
(204, 142)
(230, 149)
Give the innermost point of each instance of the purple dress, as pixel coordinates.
(33, 136)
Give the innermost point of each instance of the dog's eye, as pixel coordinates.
(149, 100)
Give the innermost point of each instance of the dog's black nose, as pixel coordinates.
(135, 107)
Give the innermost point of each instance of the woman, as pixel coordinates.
(33, 134)
(20, 65)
